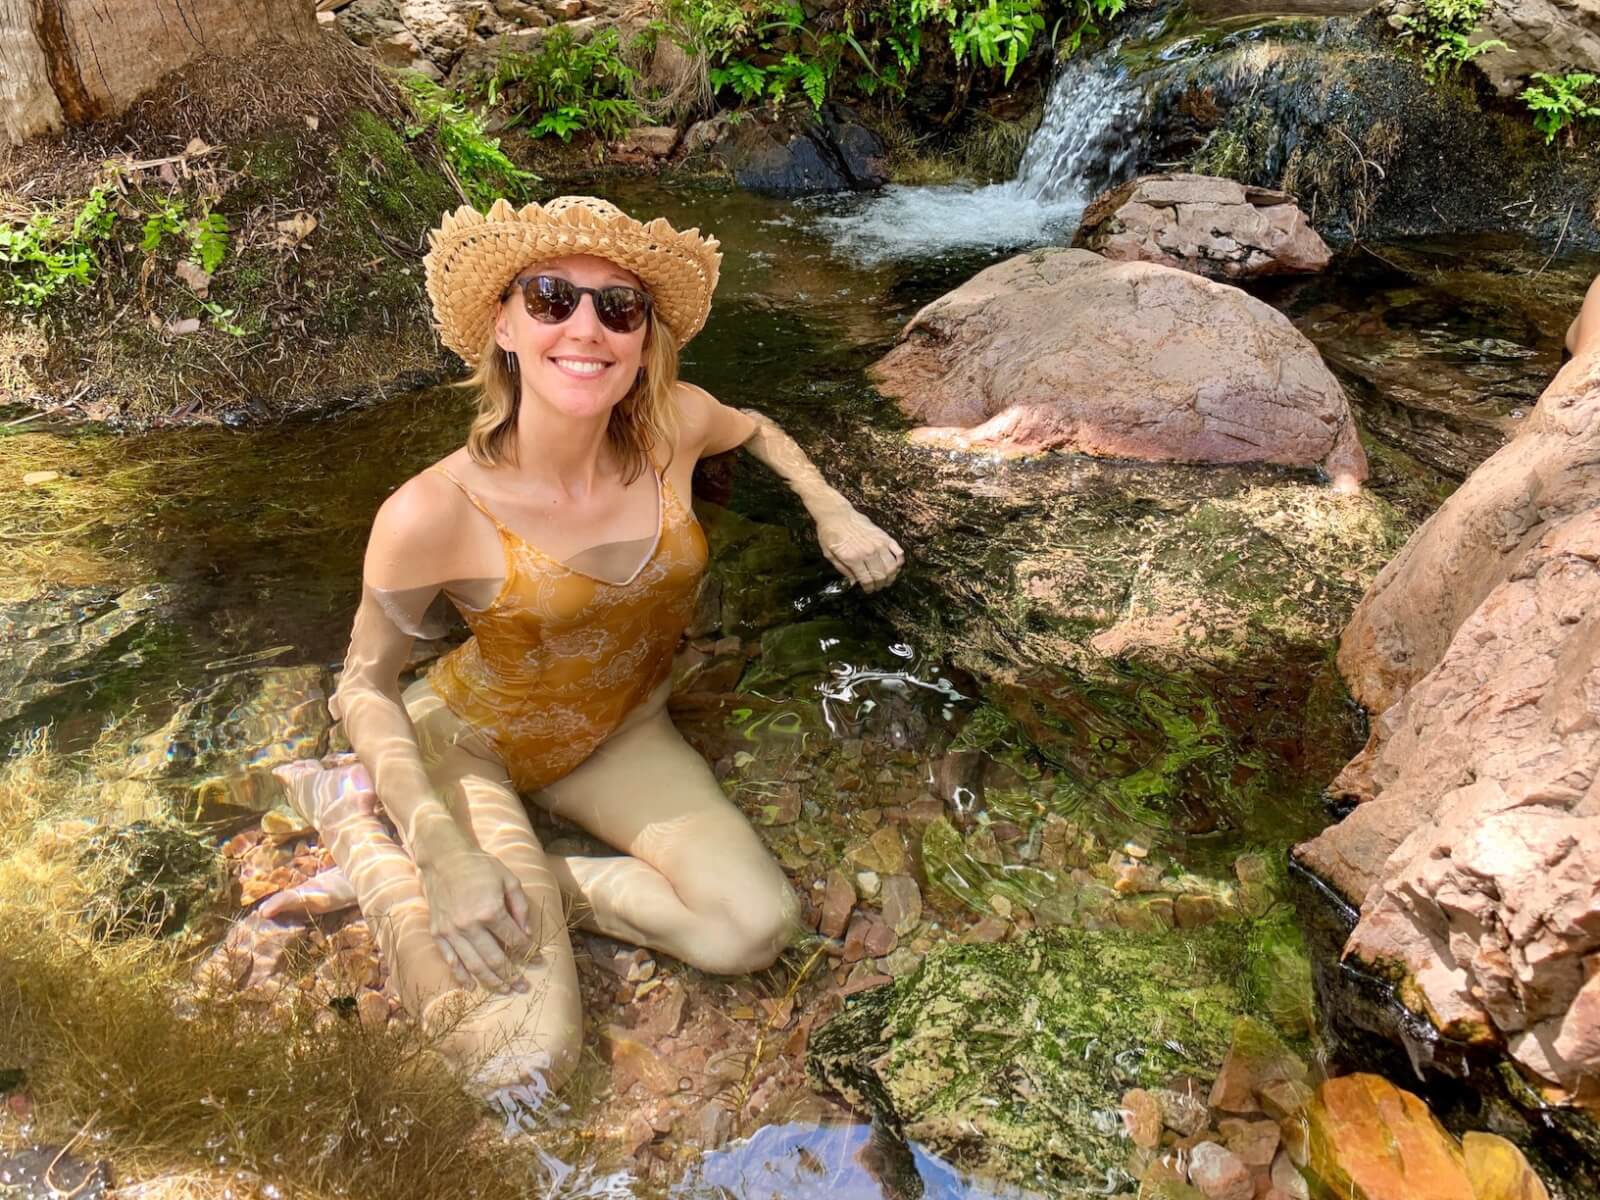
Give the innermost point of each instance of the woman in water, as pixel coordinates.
(562, 533)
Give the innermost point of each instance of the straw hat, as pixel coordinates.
(474, 257)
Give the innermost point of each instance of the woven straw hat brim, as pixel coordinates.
(474, 257)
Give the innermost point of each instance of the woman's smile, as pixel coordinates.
(581, 368)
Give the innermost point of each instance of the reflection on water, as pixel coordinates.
(832, 1162)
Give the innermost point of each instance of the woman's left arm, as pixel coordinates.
(858, 549)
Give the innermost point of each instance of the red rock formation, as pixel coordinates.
(1061, 349)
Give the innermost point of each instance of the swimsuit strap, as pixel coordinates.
(471, 497)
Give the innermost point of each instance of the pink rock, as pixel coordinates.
(1214, 227)
(1474, 852)
(838, 898)
(1061, 349)
(1219, 1173)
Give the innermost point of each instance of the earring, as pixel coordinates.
(511, 360)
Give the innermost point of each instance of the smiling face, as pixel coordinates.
(579, 367)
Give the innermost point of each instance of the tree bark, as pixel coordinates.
(69, 62)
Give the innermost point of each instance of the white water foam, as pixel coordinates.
(1086, 140)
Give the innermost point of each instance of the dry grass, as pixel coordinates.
(195, 1097)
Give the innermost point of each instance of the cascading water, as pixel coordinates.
(1086, 141)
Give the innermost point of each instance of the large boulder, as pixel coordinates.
(1474, 848)
(1533, 35)
(1062, 349)
(1211, 226)
(1476, 539)
(797, 152)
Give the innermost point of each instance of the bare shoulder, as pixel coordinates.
(707, 426)
(417, 532)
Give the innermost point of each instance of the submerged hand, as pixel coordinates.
(479, 915)
(859, 550)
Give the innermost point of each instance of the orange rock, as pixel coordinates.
(1368, 1140)
(1141, 1117)
(1498, 1170)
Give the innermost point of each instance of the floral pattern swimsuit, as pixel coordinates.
(559, 658)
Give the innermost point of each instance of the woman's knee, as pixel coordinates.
(504, 1041)
(748, 935)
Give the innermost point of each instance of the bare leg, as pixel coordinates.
(506, 1039)
(696, 881)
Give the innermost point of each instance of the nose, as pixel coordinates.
(585, 320)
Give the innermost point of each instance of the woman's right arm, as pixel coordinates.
(476, 906)
(401, 555)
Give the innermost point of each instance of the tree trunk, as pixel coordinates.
(69, 62)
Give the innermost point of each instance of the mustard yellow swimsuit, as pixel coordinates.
(559, 658)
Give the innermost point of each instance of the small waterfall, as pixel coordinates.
(1086, 141)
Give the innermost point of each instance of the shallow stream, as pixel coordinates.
(175, 601)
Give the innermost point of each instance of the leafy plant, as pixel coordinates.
(208, 241)
(43, 256)
(484, 171)
(567, 86)
(1557, 101)
(223, 318)
(1442, 30)
(166, 219)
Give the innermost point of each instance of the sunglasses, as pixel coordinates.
(551, 299)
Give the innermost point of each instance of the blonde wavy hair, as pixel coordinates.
(645, 418)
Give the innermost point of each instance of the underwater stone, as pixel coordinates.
(1219, 1173)
(149, 879)
(1371, 1140)
(1015, 1054)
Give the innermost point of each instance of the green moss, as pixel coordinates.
(273, 161)
(1016, 1055)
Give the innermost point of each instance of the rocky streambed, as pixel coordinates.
(1037, 798)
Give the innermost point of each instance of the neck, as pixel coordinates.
(560, 451)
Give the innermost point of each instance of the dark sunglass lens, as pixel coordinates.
(622, 308)
(550, 298)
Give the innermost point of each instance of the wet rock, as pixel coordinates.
(1062, 1017)
(1255, 1142)
(1498, 1170)
(1192, 911)
(1214, 227)
(901, 903)
(1219, 1173)
(1141, 1117)
(838, 899)
(646, 143)
(1367, 1138)
(1285, 1099)
(1060, 349)
(1476, 541)
(797, 152)
(1476, 854)
(883, 852)
(147, 879)
(1182, 1112)
(1287, 1179)
(1256, 1058)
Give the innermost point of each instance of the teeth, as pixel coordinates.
(582, 368)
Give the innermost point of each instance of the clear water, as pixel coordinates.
(211, 557)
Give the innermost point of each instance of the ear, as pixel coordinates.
(502, 326)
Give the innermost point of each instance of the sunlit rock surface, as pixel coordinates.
(1062, 349)
(1202, 223)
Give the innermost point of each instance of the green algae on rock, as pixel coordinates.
(1013, 1057)
(151, 879)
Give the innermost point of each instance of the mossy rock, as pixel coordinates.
(1013, 1057)
(148, 879)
